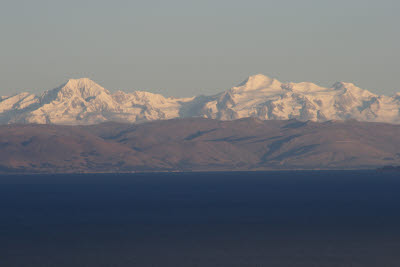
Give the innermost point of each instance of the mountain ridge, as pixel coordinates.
(199, 144)
(84, 102)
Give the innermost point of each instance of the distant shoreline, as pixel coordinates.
(389, 168)
(195, 171)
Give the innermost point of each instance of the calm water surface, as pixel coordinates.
(321, 218)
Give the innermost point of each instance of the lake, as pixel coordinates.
(291, 218)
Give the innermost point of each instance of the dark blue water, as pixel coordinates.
(324, 218)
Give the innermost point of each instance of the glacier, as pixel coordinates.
(84, 102)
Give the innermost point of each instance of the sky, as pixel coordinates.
(185, 48)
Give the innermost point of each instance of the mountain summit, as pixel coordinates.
(84, 86)
(82, 101)
(256, 82)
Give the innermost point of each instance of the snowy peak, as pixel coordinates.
(351, 88)
(83, 87)
(82, 101)
(257, 82)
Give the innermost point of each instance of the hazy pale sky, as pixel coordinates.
(184, 48)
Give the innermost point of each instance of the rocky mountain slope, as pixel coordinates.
(198, 144)
(83, 102)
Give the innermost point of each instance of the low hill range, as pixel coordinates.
(198, 144)
(83, 102)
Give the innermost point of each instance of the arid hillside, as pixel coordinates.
(197, 144)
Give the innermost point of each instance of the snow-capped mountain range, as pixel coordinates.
(82, 101)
